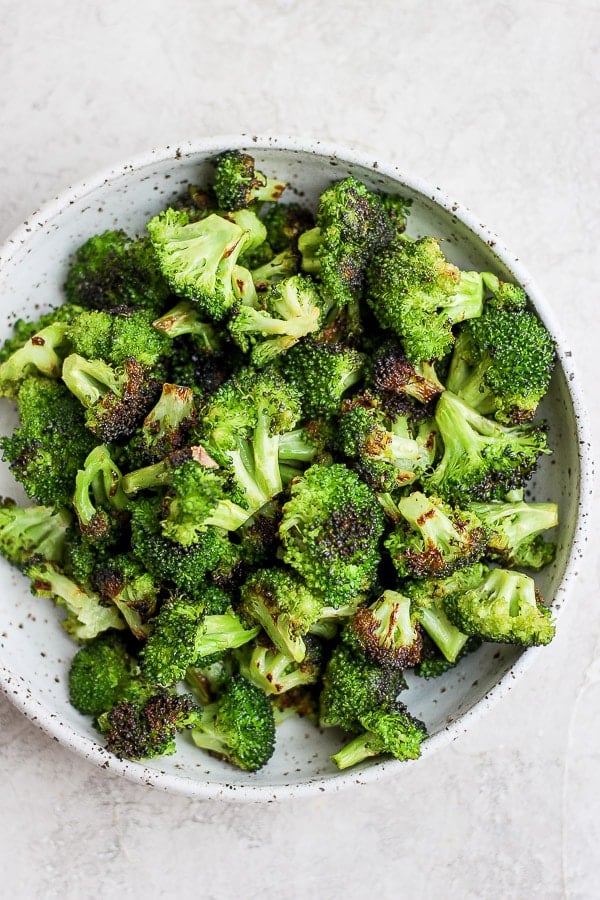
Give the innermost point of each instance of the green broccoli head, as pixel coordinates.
(393, 732)
(98, 673)
(239, 726)
(112, 270)
(416, 293)
(322, 373)
(276, 672)
(117, 335)
(39, 531)
(515, 531)
(238, 183)
(505, 607)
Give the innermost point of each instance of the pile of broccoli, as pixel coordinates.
(276, 459)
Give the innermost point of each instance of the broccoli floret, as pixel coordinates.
(482, 459)
(24, 330)
(184, 567)
(30, 531)
(197, 258)
(117, 335)
(97, 674)
(184, 318)
(394, 374)
(183, 633)
(122, 580)
(516, 531)
(433, 663)
(387, 450)
(238, 183)
(434, 539)
(51, 444)
(416, 293)
(243, 422)
(87, 615)
(42, 354)
(280, 267)
(111, 270)
(285, 222)
(116, 399)
(505, 295)
(322, 373)
(238, 727)
(284, 606)
(354, 685)
(352, 225)
(504, 607)
(276, 672)
(165, 428)
(393, 732)
(330, 532)
(98, 486)
(398, 209)
(387, 631)
(502, 363)
(292, 309)
(428, 596)
(144, 725)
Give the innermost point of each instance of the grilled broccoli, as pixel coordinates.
(322, 373)
(387, 631)
(482, 459)
(165, 428)
(98, 486)
(516, 531)
(393, 732)
(416, 293)
(330, 532)
(394, 376)
(28, 531)
(504, 607)
(276, 672)
(238, 183)
(144, 724)
(98, 673)
(112, 270)
(42, 354)
(285, 222)
(123, 580)
(238, 726)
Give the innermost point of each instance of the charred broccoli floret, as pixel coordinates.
(516, 531)
(387, 631)
(285, 222)
(144, 724)
(28, 531)
(238, 183)
(276, 672)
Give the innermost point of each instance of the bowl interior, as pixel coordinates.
(34, 650)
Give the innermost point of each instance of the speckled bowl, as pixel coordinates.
(34, 650)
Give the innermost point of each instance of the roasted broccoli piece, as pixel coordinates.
(506, 607)
(144, 725)
(112, 270)
(165, 428)
(398, 209)
(284, 606)
(184, 318)
(330, 532)
(516, 531)
(482, 459)
(354, 685)
(117, 335)
(24, 329)
(393, 732)
(87, 614)
(292, 309)
(428, 597)
(322, 373)
(352, 225)
(393, 374)
(238, 726)
(28, 531)
(505, 294)
(122, 580)
(416, 293)
(183, 633)
(197, 258)
(387, 631)
(51, 444)
(388, 451)
(98, 673)
(42, 354)
(502, 363)
(434, 539)
(238, 183)
(276, 672)
(98, 486)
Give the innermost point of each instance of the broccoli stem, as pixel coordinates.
(89, 380)
(359, 748)
(441, 631)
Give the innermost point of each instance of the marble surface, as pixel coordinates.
(497, 102)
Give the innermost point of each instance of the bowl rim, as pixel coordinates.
(15, 687)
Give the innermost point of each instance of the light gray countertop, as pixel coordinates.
(496, 102)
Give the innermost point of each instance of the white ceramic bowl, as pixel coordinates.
(34, 650)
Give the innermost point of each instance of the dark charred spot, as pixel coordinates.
(38, 341)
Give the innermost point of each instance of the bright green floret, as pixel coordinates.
(97, 485)
(505, 607)
(516, 531)
(434, 538)
(416, 293)
(98, 673)
(502, 363)
(393, 732)
(482, 459)
(117, 335)
(322, 373)
(51, 444)
(238, 727)
(238, 183)
(27, 531)
(330, 532)
(276, 672)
